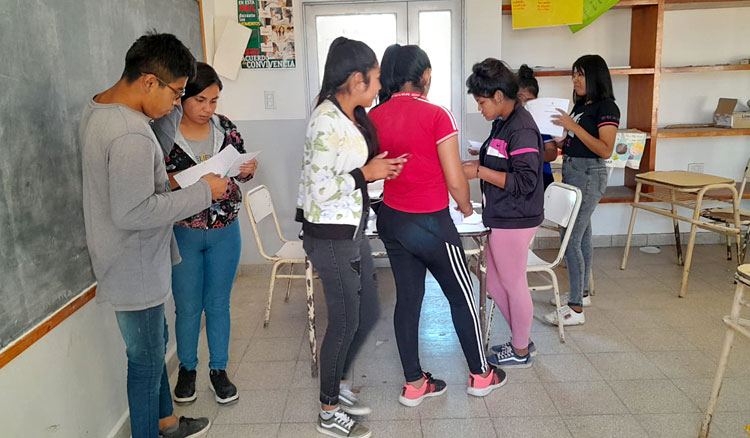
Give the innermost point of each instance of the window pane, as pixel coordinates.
(435, 39)
(376, 30)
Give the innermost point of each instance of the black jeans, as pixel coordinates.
(416, 242)
(347, 272)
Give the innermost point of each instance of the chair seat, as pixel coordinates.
(291, 250)
(535, 261)
(725, 215)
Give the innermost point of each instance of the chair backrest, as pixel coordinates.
(561, 205)
(259, 206)
(745, 177)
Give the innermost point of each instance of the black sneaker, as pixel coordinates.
(187, 428)
(225, 390)
(184, 391)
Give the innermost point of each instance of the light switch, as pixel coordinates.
(270, 99)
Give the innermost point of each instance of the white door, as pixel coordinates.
(434, 25)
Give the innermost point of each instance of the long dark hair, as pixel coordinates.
(345, 57)
(205, 76)
(527, 81)
(598, 80)
(402, 64)
(492, 75)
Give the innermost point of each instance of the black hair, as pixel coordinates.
(205, 76)
(346, 57)
(402, 64)
(598, 80)
(160, 54)
(492, 75)
(527, 81)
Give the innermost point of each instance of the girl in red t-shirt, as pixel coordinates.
(414, 222)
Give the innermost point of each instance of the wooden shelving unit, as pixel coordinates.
(706, 68)
(699, 132)
(612, 71)
(644, 77)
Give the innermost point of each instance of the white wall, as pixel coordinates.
(71, 382)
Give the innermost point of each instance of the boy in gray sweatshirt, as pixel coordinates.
(129, 211)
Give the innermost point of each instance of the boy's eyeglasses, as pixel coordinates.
(177, 93)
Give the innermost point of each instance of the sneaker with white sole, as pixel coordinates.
(411, 396)
(187, 427)
(496, 349)
(349, 403)
(223, 388)
(509, 359)
(565, 297)
(570, 317)
(342, 425)
(481, 386)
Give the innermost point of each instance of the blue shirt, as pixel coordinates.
(547, 168)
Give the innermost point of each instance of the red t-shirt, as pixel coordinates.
(410, 124)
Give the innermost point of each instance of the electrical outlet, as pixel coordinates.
(695, 167)
(269, 98)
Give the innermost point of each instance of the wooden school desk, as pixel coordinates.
(687, 190)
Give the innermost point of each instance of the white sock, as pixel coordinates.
(326, 415)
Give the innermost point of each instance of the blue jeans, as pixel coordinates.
(589, 175)
(347, 272)
(145, 334)
(202, 282)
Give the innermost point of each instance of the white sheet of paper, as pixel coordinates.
(230, 49)
(475, 145)
(543, 109)
(225, 163)
(220, 23)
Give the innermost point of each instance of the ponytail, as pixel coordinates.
(346, 57)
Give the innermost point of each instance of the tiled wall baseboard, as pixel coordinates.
(618, 240)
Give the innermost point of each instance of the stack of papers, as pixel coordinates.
(225, 163)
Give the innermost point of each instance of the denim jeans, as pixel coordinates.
(589, 175)
(149, 399)
(347, 272)
(416, 242)
(202, 282)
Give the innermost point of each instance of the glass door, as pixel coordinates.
(434, 25)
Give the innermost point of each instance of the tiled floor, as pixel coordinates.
(642, 365)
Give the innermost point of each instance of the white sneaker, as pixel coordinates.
(565, 297)
(569, 316)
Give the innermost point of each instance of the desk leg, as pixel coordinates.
(481, 275)
(311, 319)
(624, 263)
(676, 223)
(691, 245)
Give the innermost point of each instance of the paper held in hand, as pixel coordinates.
(475, 145)
(225, 163)
(543, 109)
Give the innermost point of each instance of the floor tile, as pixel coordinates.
(520, 400)
(610, 426)
(531, 427)
(652, 397)
(584, 398)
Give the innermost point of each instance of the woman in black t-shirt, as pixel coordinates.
(590, 136)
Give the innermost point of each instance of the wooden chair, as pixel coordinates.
(260, 206)
(726, 216)
(561, 205)
(734, 324)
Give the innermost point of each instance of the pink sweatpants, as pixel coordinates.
(506, 280)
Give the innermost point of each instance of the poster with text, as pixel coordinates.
(592, 9)
(541, 13)
(272, 42)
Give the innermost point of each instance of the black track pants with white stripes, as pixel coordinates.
(416, 242)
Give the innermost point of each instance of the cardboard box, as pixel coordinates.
(726, 117)
(628, 150)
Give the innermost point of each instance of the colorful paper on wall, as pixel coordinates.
(592, 9)
(542, 13)
(272, 42)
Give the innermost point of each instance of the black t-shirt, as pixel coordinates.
(591, 117)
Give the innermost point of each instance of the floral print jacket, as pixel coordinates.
(330, 189)
(224, 211)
